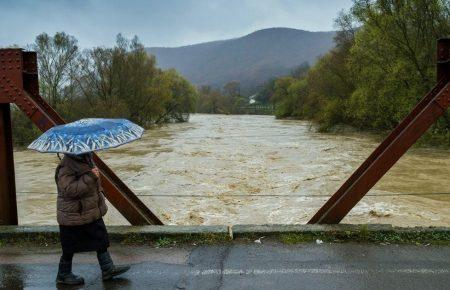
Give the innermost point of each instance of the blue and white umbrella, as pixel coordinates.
(87, 135)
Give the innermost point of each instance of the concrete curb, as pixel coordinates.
(312, 228)
(372, 232)
(115, 232)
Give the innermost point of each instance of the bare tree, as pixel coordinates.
(56, 56)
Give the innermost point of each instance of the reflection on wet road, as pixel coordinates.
(232, 170)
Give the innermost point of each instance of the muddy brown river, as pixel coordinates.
(220, 169)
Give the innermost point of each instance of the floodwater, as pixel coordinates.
(220, 169)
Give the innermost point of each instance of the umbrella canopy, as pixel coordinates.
(87, 135)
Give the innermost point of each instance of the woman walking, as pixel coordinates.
(81, 203)
(80, 208)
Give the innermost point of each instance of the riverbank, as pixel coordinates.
(427, 141)
(169, 236)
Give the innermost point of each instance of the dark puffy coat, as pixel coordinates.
(80, 195)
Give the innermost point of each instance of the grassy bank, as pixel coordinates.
(172, 236)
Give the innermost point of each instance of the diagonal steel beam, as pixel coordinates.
(426, 112)
(19, 85)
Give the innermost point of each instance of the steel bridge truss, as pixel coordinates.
(19, 85)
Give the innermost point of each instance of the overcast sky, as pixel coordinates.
(160, 22)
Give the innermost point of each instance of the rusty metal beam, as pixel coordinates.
(8, 204)
(426, 112)
(19, 85)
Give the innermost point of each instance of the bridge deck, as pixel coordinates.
(269, 265)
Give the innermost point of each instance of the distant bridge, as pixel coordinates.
(258, 109)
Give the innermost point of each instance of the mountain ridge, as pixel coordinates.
(251, 59)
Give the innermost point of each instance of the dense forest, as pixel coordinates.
(122, 81)
(383, 62)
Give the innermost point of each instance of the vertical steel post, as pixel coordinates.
(8, 204)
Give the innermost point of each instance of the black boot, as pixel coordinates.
(65, 275)
(108, 269)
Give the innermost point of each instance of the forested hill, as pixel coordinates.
(250, 60)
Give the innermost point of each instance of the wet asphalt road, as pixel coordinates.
(242, 266)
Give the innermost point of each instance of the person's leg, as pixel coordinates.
(109, 270)
(65, 275)
(68, 257)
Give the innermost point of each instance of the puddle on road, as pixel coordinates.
(229, 162)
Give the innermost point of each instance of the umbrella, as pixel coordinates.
(87, 135)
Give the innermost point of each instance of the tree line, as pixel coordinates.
(122, 81)
(383, 62)
(228, 100)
